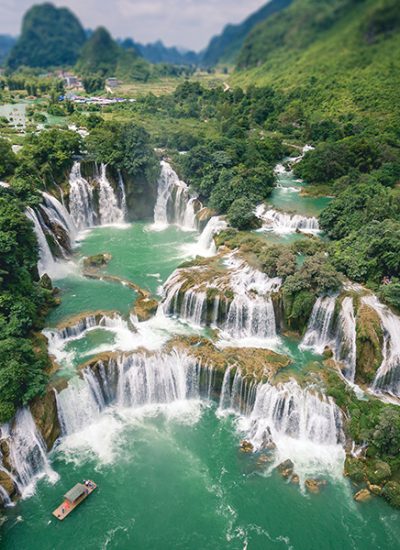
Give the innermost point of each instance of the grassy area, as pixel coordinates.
(167, 85)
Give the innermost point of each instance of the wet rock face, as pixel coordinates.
(286, 468)
(246, 446)
(362, 496)
(314, 485)
(5, 453)
(7, 483)
(44, 412)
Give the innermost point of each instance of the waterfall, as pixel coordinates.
(59, 338)
(59, 215)
(319, 330)
(75, 330)
(289, 421)
(193, 307)
(287, 410)
(174, 204)
(205, 246)
(282, 222)
(80, 199)
(109, 211)
(46, 263)
(28, 453)
(237, 393)
(4, 497)
(122, 195)
(387, 377)
(250, 311)
(132, 381)
(346, 350)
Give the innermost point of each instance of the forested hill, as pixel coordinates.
(333, 56)
(50, 37)
(225, 47)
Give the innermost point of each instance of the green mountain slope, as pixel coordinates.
(332, 57)
(50, 37)
(225, 47)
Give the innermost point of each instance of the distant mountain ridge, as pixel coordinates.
(157, 52)
(224, 48)
(6, 44)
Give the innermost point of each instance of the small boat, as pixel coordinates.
(74, 497)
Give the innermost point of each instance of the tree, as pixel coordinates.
(8, 160)
(386, 436)
(241, 214)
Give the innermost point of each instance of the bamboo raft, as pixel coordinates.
(73, 498)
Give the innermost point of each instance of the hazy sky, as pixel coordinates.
(188, 23)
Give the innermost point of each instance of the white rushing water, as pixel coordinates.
(28, 455)
(282, 222)
(205, 246)
(174, 205)
(346, 346)
(109, 211)
(131, 384)
(58, 214)
(319, 334)
(46, 263)
(387, 378)
(249, 314)
(122, 195)
(295, 423)
(80, 199)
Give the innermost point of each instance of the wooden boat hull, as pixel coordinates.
(62, 511)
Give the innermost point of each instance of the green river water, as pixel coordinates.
(172, 477)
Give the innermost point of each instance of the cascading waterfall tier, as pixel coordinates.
(292, 422)
(132, 381)
(72, 331)
(282, 222)
(174, 204)
(320, 330)
(28, 455)
(109, 211)
(346, 340)
(205, 246)
(387, 378)
(59, 216)
(238, 300)
(80, 199)
(46, 263)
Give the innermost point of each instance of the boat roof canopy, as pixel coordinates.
(74, 493)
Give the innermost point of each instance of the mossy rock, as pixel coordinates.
(45, 282)
(96, 261)
(391, 492)
(369, 344)
(145, 308)
(255, 363)
(354, 469)
(378, 472)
